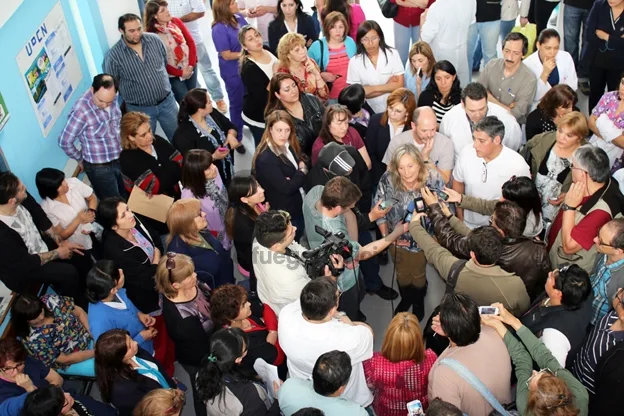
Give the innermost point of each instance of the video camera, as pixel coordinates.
(316, 259)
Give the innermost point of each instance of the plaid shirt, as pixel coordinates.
(600, 280)
(96, 130)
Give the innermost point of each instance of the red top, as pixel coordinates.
(409, 16)
(396, 384)
(352, 138)
(583, 232)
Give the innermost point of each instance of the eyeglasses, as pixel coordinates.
(543, 370)
(395, 111)
(7, 369)
(484, 173)
(171, 265)
(602, 243)
(574, 167)
(370, 40)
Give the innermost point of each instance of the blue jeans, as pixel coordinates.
(370, 267)
(488, 33)
(180, 88)
(213, 83)
(573, 18)
(404, 37)
(165, 113)
(106, 180)
(505, 28)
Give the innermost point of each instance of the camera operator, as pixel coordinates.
(325, 206)
(278, 261)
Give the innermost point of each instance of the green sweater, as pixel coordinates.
(523, 360)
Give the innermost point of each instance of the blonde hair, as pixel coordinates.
(551, 397)
(160, 402)
(423, 48)
(287, 43)
(181, 218)
(267, 139)
(393, 166)
(130, 124)
(403, 340)
(165, 278)
(576, 122)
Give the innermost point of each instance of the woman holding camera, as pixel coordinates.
(399, 187)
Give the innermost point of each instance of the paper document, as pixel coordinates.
(268, 374)
(155, 207)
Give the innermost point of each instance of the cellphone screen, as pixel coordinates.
(419, 204)
(487, 310)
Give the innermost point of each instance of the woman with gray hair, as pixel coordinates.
(593, 200)
(399, 186)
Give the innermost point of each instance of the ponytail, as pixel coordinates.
(230, 215)
(183, 114)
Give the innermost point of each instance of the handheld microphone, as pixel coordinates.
(409, 211)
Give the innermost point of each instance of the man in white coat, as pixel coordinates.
(458, 123)
(550, 65)
(444, 26)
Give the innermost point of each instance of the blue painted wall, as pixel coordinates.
(21, 140)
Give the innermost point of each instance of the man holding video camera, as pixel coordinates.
(324, 206)
(278, 260)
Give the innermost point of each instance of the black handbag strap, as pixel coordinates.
(451, 280)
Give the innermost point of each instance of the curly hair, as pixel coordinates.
(287, 43)
(551, 397)
(227, 301)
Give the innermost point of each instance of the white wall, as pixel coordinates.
(110, 11)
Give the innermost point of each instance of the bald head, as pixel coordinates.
(424, 124)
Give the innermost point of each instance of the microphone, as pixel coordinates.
(409, 211)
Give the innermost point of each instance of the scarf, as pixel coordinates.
(175, 32)
(228, 162)
(218, 195)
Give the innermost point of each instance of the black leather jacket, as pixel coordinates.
(523, 256)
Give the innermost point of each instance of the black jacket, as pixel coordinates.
(570, 322)
(16, 264)
(308, 129)
(138, 270)
(243, 237)
(377, 140)
(360, 176)
(187, 137)
(305, 27)
(609, 379)
(525, 257)
(256, 95)
(488, 10)
(601, 54)
(281, 182)
(125, 394)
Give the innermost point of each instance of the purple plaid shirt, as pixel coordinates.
(95, 129)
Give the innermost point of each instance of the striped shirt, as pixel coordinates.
(179, 8)
(142, 81)
(597, 343)
(96, 129)
(600, 281)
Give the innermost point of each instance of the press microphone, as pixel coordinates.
(409, 211)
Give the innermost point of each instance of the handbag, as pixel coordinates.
(530, 32)
(463, 372)
(329, 84)
(388, 9)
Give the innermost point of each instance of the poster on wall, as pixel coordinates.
(50, 68)
(4, 112)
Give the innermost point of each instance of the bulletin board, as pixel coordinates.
(50, 69)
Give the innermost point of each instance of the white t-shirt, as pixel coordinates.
(470, 169)
(23, 224)
(280, 278)
(362, 71)
(63, 214)
(179, 8)
(303, 342)
(455, 126)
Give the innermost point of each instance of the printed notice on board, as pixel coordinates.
(50, 68)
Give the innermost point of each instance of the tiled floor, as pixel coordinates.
(378, 311)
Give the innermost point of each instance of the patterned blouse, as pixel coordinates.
(308, 83)
(65, 335)
(396, 384)
(609, 104)
(385, 190)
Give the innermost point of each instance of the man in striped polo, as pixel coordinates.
(138, 62)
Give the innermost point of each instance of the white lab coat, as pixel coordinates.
(446, 31)
(565, 66)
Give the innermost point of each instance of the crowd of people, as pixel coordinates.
(363, 151)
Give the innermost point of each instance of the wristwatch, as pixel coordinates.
(566, 207)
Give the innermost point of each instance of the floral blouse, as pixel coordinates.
(308, 84)
(65, 335)
(609, 104)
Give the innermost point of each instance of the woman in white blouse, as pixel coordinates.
(69, 204)
(550, 65)
(376, 66)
